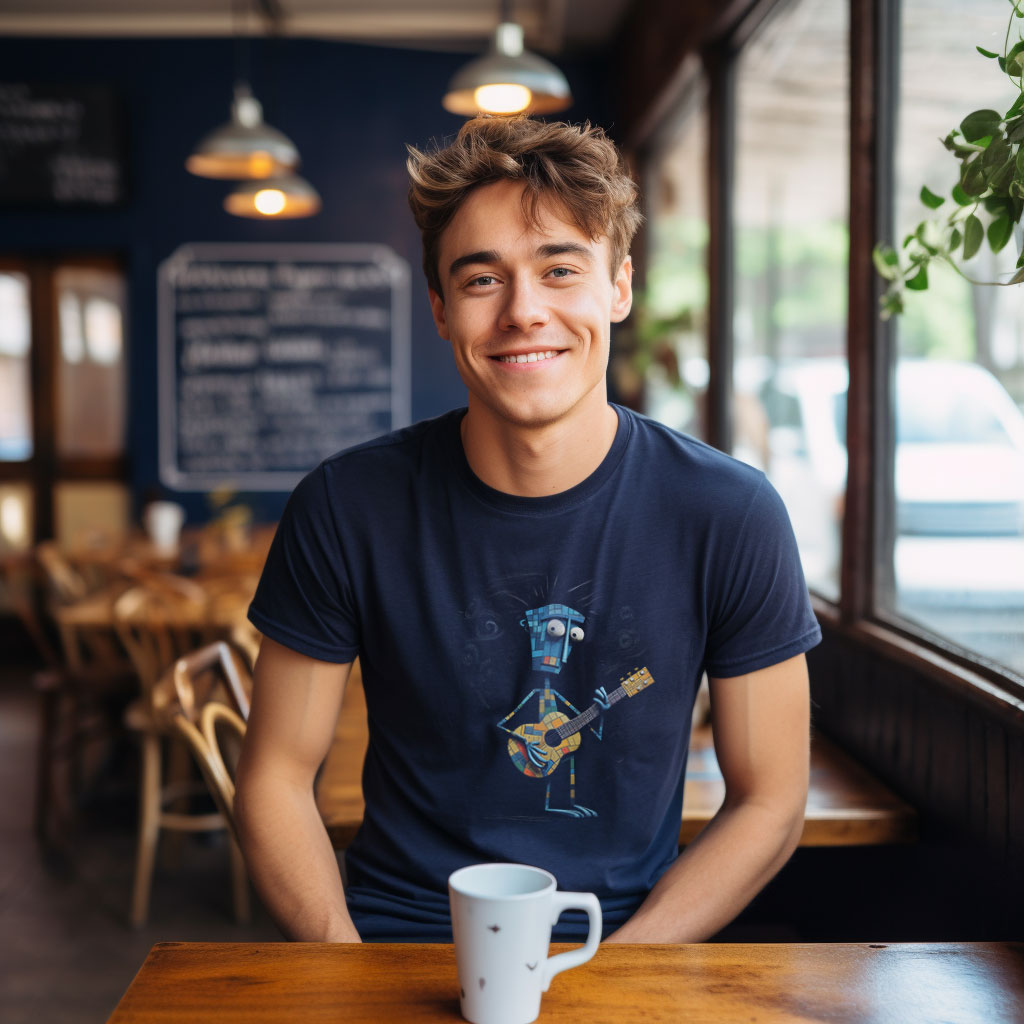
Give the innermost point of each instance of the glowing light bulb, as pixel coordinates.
(505, 98)
(269, 201)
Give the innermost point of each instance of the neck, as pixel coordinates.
(536, 461)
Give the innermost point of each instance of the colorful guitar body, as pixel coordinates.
(537, 749)
(532, 755)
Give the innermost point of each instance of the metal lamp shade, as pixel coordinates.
(508, 63)
(284, 197)
(245, 147)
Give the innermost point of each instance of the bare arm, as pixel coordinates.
(295, 708)
(761, 724)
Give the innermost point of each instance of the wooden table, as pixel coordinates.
(954, 983)
(846, 805)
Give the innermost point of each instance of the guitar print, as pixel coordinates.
(537, 749)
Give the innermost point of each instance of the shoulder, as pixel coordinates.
(390, 457)
(680, 462)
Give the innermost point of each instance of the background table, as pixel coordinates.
(846, 805)
(956, 983)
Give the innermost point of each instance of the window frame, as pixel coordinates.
(874, 39)
(46, 468)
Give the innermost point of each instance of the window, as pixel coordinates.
(956, 508)
(62, 401)
(674, 366)
(789, 210)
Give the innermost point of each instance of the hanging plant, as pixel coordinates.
(987, 201)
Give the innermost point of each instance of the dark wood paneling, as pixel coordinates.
(958, 761)
(655, 41)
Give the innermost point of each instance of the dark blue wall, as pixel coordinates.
(349, 109)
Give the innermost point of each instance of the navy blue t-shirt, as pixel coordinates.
(530, 664)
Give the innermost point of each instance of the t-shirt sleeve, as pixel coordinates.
(304, 600)
(760, 611)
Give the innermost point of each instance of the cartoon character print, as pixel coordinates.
(538, 748)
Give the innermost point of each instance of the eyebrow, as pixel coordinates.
(543, 251)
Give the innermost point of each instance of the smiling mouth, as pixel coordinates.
(527, 357)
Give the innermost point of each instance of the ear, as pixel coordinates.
(622, 300)
(437, 308)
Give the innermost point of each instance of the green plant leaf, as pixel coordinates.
(919, 282)
(886, 262)
(999, 232)
(1015, 109)
(986, 53)
(1002, 63)
(974, 235)
(930, 199)
(996, 153)
(1017, 278)
(973, 181)
(980, 123)
(1000, 180)
(960, 197)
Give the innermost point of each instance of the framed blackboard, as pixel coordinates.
(60, 145)
(272, 357)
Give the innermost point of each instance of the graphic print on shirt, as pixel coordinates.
(538, 748)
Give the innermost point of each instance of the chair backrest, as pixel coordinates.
(214, 672)
(157, 623)
(203, 692)
(65, 583)
(205, 743)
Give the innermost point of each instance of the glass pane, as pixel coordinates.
(954, 560)
(16, 510)
(791, 251)
(91, 374)
(670, 318)
(90, 515)
(15, 371)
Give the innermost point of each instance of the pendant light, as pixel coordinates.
(245, 147)
(282, 197)
(507, 79)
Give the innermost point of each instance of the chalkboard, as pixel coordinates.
(60, 145)
(272, 357)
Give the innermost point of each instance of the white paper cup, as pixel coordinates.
(502, 916)
(163, 521)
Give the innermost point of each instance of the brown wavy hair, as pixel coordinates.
(576, 165)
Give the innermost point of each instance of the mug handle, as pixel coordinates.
(574, 957)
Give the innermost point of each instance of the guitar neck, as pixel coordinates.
(581, 721)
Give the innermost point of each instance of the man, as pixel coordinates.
(534, 587)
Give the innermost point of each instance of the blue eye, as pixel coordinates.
(562, 272)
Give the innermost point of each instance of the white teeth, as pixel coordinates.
(528, 357)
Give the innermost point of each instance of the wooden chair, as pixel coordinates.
(208, 690)
(81, 704)
(157, 629)
(158, 623)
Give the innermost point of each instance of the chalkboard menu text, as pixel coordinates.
(60, 145)
(272, 357)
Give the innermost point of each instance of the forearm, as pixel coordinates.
(291, 861)
(717, 875)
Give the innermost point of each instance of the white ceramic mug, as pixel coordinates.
(502, 916)
(164, 520)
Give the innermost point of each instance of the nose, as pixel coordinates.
(524, 308)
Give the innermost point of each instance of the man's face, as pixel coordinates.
(527, 310)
